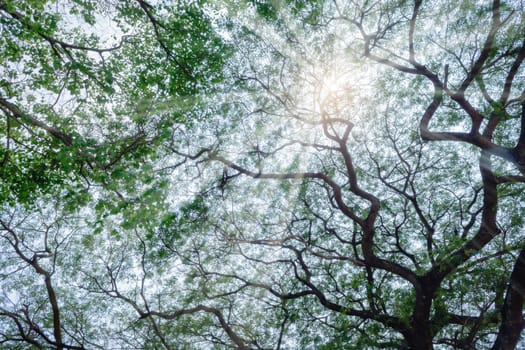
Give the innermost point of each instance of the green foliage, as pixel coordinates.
(180, 225)
(308, 10)
(201, 174)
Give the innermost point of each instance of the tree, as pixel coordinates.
(295, 174)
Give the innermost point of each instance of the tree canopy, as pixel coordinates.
(286, 174)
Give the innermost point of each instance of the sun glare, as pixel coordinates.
(339, 89)
(311, 84)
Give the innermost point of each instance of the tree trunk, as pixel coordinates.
(512, 314)
(420, 338)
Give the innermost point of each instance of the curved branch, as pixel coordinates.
(417, 5)
(202, 308)
(487, 231)
(294, 176)
(366, 224)
(487, 47)
(52, 297)
(54, 42)
(14, 112)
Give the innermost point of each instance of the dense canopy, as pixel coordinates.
(289, 174)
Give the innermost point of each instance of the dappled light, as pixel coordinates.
(262, 174)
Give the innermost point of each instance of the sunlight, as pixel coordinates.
(342, 87)
(334, 92)
(293, 86)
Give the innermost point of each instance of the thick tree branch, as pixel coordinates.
(487, 231)
(294, 176)
(513, 322)
(487, 47)
(504, 98)
(417, 5)
(51, 294)
(14, 112)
